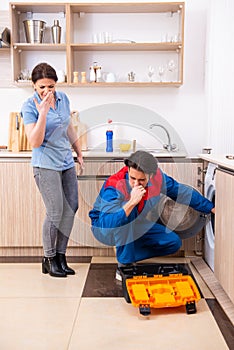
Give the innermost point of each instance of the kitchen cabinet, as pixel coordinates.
(26, 55)
(22, 209)
(122, 38)
(189, 174)
(224, 238)
(89, 185)
(81, 233)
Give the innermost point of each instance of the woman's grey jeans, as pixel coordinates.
(59, 190)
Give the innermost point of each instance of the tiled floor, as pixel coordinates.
(88, 312)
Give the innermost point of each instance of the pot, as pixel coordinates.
(34, 31)
(180, 218)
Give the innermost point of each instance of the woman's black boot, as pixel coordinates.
(62, 262)
(49, 265)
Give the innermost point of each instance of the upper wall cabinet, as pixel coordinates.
(36, 21)
(107, 44)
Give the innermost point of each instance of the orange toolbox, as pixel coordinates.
(159, 286)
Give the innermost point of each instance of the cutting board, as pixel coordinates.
(81, 129)
(17, 139)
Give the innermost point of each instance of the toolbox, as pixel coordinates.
(159, 286)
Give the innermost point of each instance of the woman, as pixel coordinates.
(49, 130)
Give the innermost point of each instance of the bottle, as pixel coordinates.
(56, 32)
(97, 70)
(109, 141)
(109, 137)
(92, 75)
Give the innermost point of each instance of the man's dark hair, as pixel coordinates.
(43, 70)
(142, 161)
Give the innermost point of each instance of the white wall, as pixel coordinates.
(184, 108)
(219, 78)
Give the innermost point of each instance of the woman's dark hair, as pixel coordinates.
(43, 70)
(142, 161)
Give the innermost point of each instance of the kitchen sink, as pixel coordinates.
(157, 152)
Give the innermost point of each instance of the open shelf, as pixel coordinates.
(155, 33)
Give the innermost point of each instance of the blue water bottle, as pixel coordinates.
(109, 141)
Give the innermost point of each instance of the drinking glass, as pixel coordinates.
(171, 66)
(150, 73)
(161, 72)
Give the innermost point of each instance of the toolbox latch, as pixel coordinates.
(191, 307)
(144, 309)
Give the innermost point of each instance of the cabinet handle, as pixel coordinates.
(201, 171)
(92, 177)
(200, 183)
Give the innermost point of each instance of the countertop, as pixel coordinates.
(219, 159)
(98, 154)
(158, 153)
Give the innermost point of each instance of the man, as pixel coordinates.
(119, 216)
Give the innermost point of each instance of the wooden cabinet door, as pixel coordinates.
(224, 237)
(89, 186)
(188, 174)
(94, 168)
(81, 233)
(22, 210)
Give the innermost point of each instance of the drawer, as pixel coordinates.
(100, 168)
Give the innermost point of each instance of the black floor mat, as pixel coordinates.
(101, 281)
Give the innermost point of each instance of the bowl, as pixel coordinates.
(125, 147)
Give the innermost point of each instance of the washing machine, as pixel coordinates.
(209, 192)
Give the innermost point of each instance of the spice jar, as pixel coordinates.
(83, 77)
(75, 77)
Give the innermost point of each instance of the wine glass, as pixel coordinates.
(150, 73)
(171, 68)
(161, 71)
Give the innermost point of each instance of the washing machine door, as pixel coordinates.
(209, 242)
(180, 218)
(211, 196)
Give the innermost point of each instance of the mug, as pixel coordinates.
(109, 77)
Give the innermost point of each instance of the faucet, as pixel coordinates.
(169, 146)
